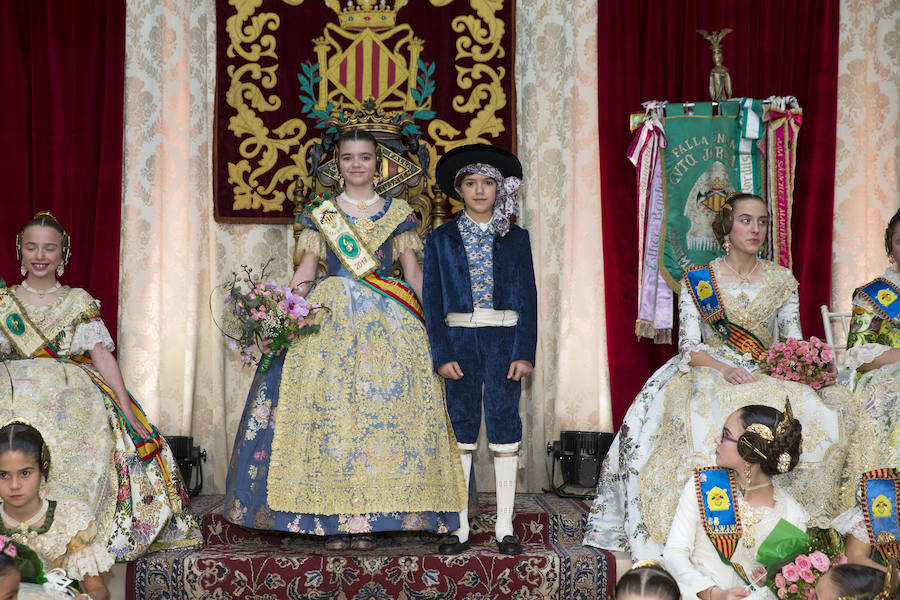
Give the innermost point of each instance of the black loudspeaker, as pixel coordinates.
(579, 454)
(189, 457)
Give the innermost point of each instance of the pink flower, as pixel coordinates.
(827, 355)
(819, 561)
(11, 551)
(781, 593)
(779, 580)
(793, 589)
(802, 561)
(807, 575)
(841, 560)
(791, 573)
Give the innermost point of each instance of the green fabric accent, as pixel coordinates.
(868, 328)
(781, 546)
(703, 109)
(674, 110)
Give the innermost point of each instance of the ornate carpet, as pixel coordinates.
(245, 563)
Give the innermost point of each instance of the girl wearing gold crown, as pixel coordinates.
(64, 379)
(726, 513)
(347, 434)
(730, 311)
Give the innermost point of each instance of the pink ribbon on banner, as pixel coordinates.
(784, 126)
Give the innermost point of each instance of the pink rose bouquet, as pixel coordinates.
(800, 360)
(263, 316)
(797, 578)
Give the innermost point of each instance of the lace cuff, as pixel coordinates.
(311, 240)
(408, 240)
(88, 335)
(92, 559)
(866, 353)
(684, 365)
(852, 522)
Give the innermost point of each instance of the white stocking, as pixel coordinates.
(465, 457)
(505, 467)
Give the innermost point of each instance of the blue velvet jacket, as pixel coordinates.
(446, 288)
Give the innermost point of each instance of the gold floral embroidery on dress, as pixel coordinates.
(69, 518)
(374, 233)
(59, 319)
(779, 285)
(332, 460)
(311, 240)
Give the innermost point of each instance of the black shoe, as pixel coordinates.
(452, 545)
(510, 544)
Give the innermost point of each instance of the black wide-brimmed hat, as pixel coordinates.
(454, 160)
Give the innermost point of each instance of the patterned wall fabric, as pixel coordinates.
(868, 143)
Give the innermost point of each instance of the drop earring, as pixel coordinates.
(726, 245)
(748, 474)
(60, 270)
(23, 269)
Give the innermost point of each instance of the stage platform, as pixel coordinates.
(245, 563)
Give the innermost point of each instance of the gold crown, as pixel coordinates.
(366, 14)
(370, 117)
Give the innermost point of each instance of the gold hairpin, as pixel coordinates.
(787, 420)
(762, 431)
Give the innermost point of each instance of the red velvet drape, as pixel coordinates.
(61, 118)
(650, 50)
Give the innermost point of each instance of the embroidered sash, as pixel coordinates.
(398, 291)
(705, 292)
(654, 294)
(882, 294)
(880, 491)
(341, 236)
(784, 127)
(22, 333)
(346, 242)
(717, 501)
(148, 449)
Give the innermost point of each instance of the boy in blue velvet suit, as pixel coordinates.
(481, 315)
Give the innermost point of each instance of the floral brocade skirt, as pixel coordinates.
(347, 432)
(93, 459)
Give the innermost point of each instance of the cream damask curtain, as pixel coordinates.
(868, 143)
(173, 253)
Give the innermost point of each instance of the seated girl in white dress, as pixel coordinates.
(713, 557)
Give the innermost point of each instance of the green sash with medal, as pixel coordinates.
(717, 500)
(880, 491)
(701, 281)
(25, 337)
(882, 295)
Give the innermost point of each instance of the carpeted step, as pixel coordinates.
(244, 563)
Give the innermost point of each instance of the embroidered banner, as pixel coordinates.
(442, 67)
(700, 168)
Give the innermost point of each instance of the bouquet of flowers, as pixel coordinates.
(797, 578)
(264, 316)
(800, 360)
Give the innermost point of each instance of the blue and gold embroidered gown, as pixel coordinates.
(671, 426)
(347, 432)
(93, 457)
(871, 336)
